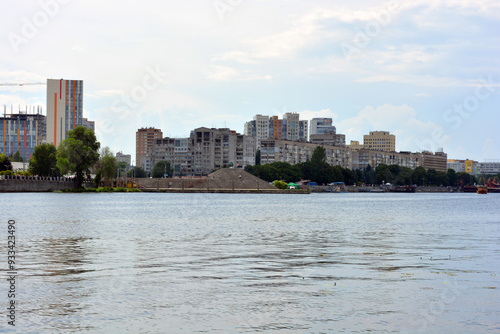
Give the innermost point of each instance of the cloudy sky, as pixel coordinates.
(426, 70)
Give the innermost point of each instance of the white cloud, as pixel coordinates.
(412, 134)
(490, 149)
(222, 73)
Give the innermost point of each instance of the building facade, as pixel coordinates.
(212, 149)
(175, 151)
(144, 139)
(260, 128)
(64, 108)
(328, 139)
(355, 145)
(380, 141)
(88, 124)
(126, 158)
(322, 125)
(437, 161)
(489, 167)
(21, 132)
(276, 125)
(362, 158)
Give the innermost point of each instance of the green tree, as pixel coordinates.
(5, 163)
(452, 177)
(369, 175)
(137, 172)
(122, 167)
(106, 165)
(43, 161)
(419, 176)
(78, 153)
(276, 171)
(257, 157)
(319, 166)
(161, 168)
(464, 179)
(17, 157)
(349, 176)
(432, 177)
(442, 179)
(280, 184)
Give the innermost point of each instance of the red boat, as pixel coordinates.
(469, 189)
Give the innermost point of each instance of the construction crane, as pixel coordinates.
(22, 83)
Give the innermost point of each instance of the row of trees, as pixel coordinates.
(318, 170)
(405, 176)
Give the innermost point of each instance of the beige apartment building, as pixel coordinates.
(379, 141)
(144, 139)
(328, 138)
(437, 161)
(355, 145)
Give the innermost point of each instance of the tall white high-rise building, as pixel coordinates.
(64, 108)
(321, 125)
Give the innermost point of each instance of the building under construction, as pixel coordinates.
(22, 130)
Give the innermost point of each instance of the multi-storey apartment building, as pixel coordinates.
(328, 139)
(380, 141)
(21, 132)
(265, 127)
(144, 139)
(260, 128)
(437, 161)
(64, 108)
(322, 125)
(175, 151)
(364, 157)
(355, 145)
(489, 167)
(126, 158)
(212, 149)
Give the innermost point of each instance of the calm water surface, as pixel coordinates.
(221, 263)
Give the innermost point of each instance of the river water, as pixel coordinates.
(253, 263)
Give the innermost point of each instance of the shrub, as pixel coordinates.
(280, 184)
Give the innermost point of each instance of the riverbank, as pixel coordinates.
(226, 191)
(380, 189)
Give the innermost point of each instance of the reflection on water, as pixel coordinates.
(177, 263)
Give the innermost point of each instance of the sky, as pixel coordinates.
(427, 71)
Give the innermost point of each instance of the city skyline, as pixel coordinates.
(427, 73)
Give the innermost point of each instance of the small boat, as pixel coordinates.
(469, 189)
(482, 190)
